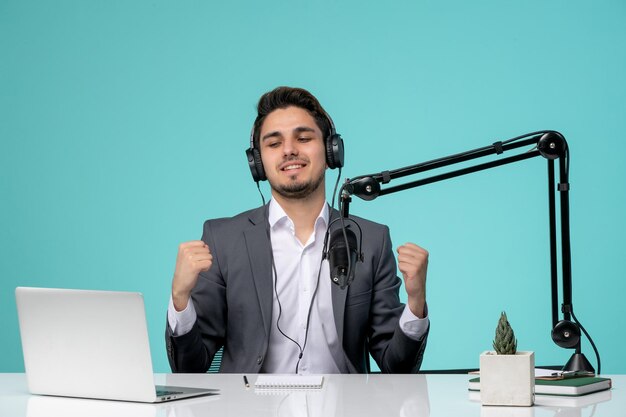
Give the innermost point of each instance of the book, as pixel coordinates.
(277, 382)
(562, 401)
(567, 387)
(573, 401)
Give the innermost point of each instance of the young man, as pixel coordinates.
(257, 285)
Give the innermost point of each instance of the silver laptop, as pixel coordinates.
(90, 344)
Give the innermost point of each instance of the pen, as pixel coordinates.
(245, 381)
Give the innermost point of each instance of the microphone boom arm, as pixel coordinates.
(549, 144)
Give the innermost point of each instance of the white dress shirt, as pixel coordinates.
(297, 268)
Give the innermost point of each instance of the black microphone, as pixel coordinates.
(338, 257)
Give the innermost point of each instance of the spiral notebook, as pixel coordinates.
(278, 382)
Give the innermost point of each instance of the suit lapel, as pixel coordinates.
(339, 304)
(338, 295)
(258, 249)
(259, 253)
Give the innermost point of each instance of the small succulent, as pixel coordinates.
(505, 342)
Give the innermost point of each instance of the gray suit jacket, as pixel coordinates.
(233, 300)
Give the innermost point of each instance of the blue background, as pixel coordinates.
(123, 126)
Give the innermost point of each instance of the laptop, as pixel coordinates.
(90, 344)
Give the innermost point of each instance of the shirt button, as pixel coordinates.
(259, 360)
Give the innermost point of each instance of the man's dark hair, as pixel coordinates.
(283, 97)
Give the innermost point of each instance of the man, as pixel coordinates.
(257, 285)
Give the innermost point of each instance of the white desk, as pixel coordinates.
(342, 395)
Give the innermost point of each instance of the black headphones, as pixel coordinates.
(333, 145)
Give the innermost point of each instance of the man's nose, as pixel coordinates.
(290, 147)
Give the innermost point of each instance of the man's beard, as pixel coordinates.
(298, 190)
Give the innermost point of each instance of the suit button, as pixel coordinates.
(259, 360)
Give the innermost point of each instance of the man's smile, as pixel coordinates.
(292, 166)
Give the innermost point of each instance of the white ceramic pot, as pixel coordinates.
(507, 379)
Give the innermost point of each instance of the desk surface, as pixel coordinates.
(342, 395)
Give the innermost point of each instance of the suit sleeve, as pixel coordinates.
(393, 351)
(193, 352)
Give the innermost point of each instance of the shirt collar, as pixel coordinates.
(277, 214)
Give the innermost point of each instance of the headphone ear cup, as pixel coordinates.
(334, 151)
(255, 164)
(566, 334)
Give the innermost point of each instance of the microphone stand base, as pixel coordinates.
(578, 362)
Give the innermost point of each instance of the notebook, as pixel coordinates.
(90, 344)
(289, 382)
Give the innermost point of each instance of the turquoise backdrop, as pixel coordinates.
(123, 126)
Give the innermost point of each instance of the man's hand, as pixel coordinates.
(413, 263)
(193, 257)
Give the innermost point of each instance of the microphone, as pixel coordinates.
(338, 257)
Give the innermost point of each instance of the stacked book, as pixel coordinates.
(561, 389)
(565, 386)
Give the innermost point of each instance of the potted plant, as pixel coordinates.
(507, 377)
